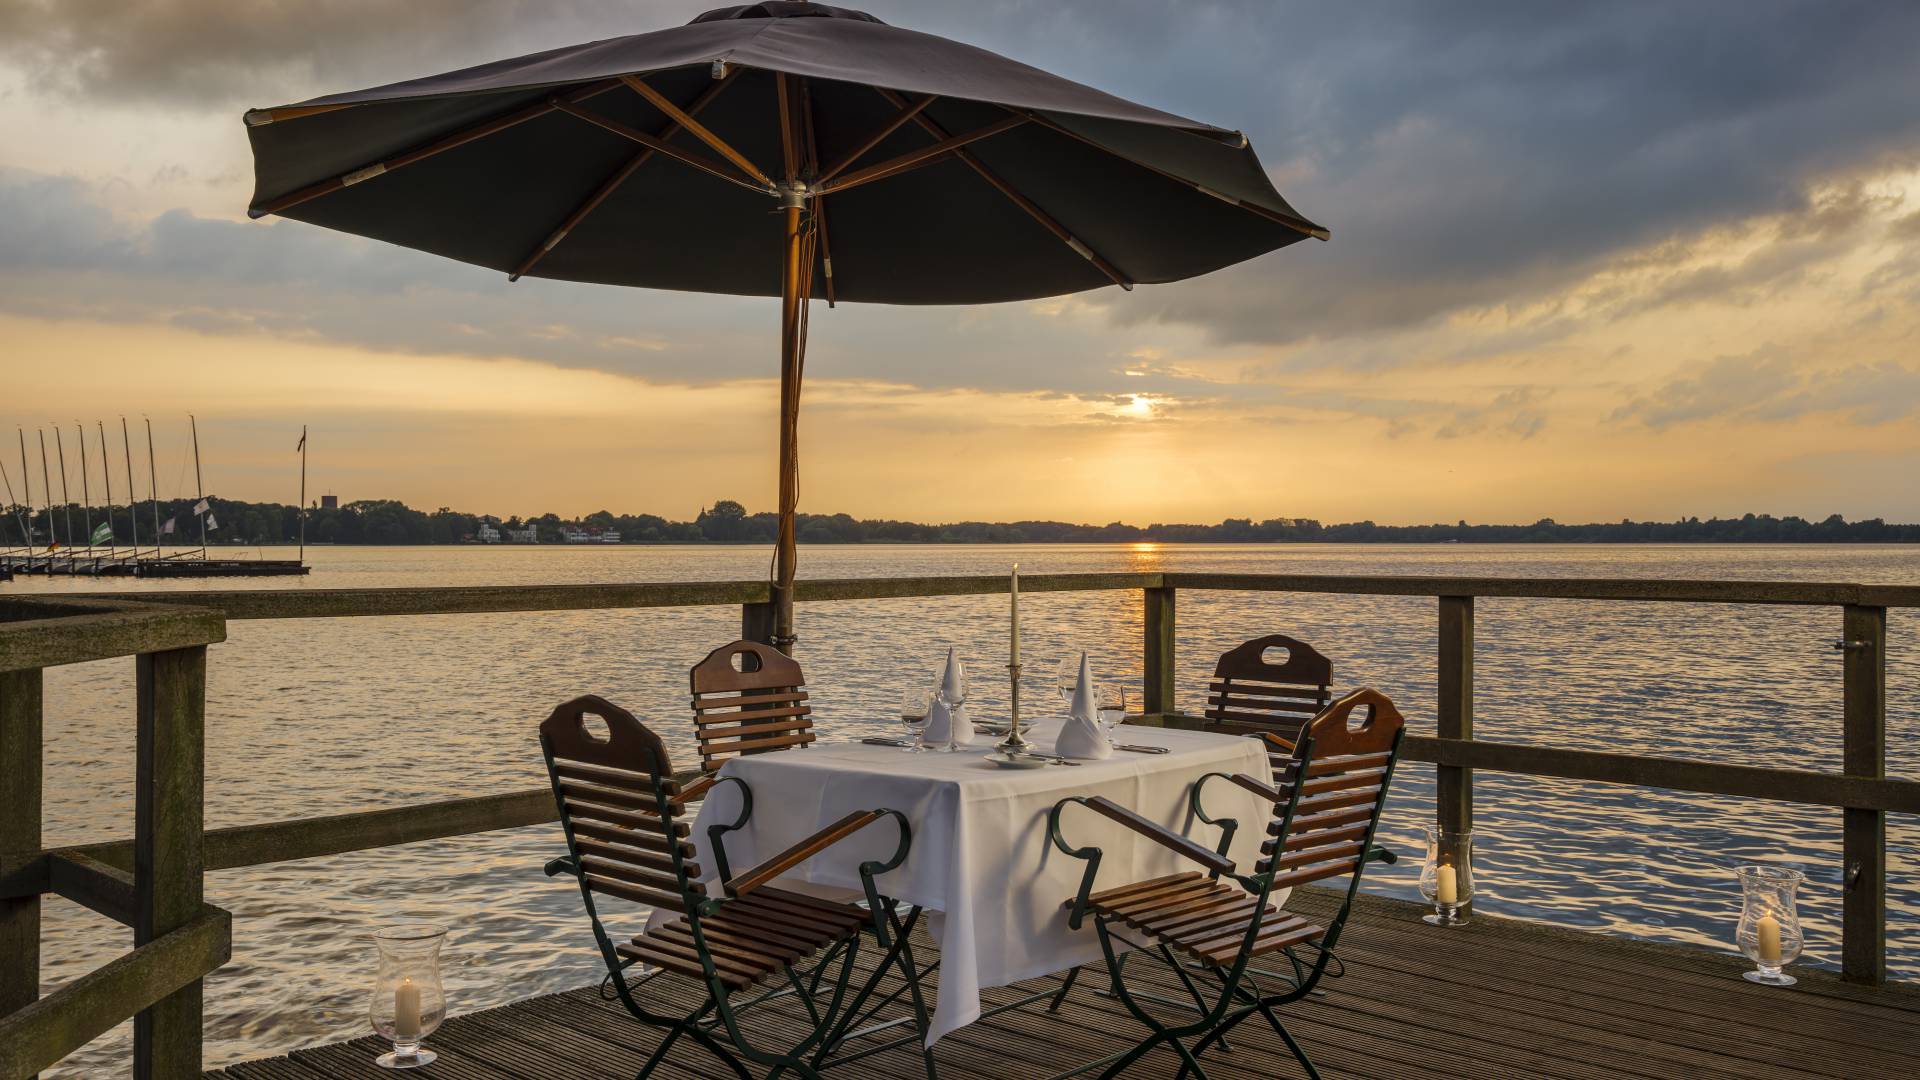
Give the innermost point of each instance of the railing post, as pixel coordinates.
(1863, 937)
(1453, 785)
(20, 805)
(167, 826)
(756, 622)
(1158, 659)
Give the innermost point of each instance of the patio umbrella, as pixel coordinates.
(778, 149)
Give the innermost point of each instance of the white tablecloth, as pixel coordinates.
(981, 862)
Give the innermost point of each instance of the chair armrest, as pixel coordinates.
(1284, 745)
(744, 883)
(717, 832)
(1376, 853)
(565, 864)
(1161, 835)
(695, 791)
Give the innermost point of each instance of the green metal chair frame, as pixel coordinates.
(620, 810)
(1326, 812)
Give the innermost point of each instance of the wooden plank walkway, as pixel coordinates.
(1496, 998)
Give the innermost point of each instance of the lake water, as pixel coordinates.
(311, 717)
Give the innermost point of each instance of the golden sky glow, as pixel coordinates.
(1758, 357)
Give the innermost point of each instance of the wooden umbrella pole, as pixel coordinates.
(786, 552)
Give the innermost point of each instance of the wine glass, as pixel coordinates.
(1111, 700)
(952, 698)
(1068, 676)
(915, 704)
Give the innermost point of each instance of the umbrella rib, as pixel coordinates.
(873, 140)
(1048, 221)
(788, 157)
(946, 144)
(612, 183)
(694, 127)
(1299, 225)
(627, 131)
(426, 150)
(820, 203)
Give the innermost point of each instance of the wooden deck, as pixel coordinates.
(1496, 998)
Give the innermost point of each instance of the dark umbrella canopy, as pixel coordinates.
(1154, 196)
(778, 149)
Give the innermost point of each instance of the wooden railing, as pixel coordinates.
(152, 881)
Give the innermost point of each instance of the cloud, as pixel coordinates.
(1766, 386)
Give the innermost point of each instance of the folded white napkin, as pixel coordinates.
(1082, 736)
(942, 722)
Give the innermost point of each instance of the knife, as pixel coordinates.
(1142, 749)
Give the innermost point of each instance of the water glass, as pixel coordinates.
(1769, 930)
(1446, 877)
(408, 1002)
(915, 704)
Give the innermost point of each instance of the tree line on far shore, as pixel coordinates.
(387, 521)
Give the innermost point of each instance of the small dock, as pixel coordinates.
(1498, 997)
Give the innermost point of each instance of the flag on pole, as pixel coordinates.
(202, 506)
(303, 441)
(102, 535)
(211, 523)
(167, 529)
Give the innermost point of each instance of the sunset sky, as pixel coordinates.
(1588, 262)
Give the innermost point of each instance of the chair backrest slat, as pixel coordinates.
(748, 698)
(1282, 697)
(615, 796)
(1335, 780)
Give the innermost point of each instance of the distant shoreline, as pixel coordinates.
(390, 523)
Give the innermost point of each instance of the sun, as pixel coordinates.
(1141, 405)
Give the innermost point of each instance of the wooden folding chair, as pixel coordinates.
(1216, 923)
(748, 698)
(1249, 693)
(622, 815)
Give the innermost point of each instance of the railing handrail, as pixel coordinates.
(249, 604)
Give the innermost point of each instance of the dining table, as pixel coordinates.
(993, 887)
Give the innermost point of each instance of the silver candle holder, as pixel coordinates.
(1014, 743)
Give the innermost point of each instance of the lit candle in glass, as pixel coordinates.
(406, 1011)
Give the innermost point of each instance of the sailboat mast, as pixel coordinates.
(86, 492)
(153, 487)
(199, 487)
(14, 503)
(133, 493)
(26, 482)
(106, 473)
(46, 486)
(66, 498)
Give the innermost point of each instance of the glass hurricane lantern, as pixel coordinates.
(1769, 930)
(1449, 856)
(408, 1002)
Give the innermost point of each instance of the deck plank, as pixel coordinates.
(1498, 997)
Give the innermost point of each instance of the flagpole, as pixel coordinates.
(133, 493)
(303, 493)
(26, 527)
(153, 487)
(200, 488)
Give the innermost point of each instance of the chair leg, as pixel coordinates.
(1287, 1036)
(1190, 1061)
(909, 971)
(660, 1052)
(1133, 1055)
(726, 1057)
(1066, 985)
